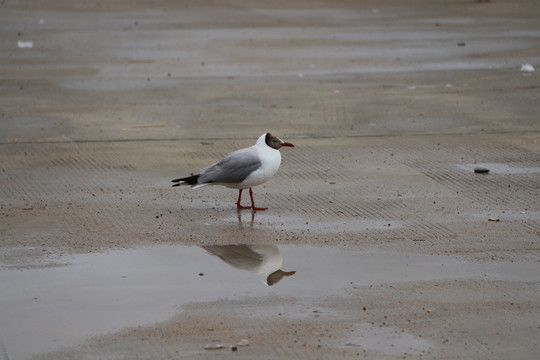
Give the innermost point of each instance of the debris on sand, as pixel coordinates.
(25, 44)
(527, 68)
(215, 347)
(243, 342)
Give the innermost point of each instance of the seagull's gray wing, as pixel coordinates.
(233, 168)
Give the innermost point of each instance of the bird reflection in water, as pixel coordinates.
(251, 222)
(262, 260)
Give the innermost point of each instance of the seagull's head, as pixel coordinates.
(275, 142)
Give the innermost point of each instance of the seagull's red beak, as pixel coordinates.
(287, 144)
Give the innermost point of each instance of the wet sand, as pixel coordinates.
(391, 105)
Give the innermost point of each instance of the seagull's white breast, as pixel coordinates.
(270, 161)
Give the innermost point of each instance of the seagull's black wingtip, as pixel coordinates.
(190, 180)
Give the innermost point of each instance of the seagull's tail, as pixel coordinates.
(188, 180)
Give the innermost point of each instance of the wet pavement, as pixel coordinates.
(399, 248)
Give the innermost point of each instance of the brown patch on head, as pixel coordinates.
(275, 142)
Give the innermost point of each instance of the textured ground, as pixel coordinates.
(390, 105)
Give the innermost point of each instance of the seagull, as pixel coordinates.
(242, 169)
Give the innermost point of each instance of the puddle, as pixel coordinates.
(498, 168)
(95, 294)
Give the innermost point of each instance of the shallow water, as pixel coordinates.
(99, 293)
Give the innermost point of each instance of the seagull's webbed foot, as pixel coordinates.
(257, 208)
(253, 207)
(240, 207)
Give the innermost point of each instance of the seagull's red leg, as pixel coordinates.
(238, 202)
(253, 203)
